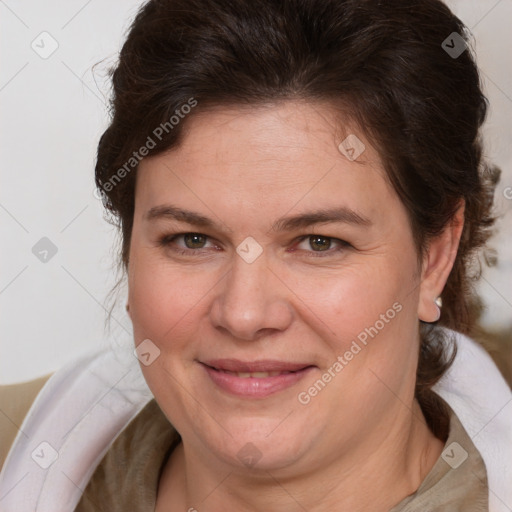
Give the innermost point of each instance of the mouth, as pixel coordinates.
(254, 379)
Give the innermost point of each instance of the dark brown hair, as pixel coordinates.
(383, 61)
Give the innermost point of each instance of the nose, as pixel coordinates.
(251, 301)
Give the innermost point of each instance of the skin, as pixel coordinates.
(362, 442)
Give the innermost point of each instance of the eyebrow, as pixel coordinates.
(307, 219)
(321, 216)
(174, 213)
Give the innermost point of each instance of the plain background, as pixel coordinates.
(53, 111)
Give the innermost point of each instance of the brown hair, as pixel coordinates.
(383, 60)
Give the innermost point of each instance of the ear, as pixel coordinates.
(437, 265)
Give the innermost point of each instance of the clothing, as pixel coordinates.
(85, 406)
(15, 401)
(73, 421)
(449, 487)
(127, 478)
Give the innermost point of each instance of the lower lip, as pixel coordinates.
(254, 387)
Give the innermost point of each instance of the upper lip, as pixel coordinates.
(265, 365)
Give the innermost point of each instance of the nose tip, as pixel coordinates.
(251, 303)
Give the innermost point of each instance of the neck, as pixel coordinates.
(372, 476)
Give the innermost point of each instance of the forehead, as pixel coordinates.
(275, 153)
(284, 130)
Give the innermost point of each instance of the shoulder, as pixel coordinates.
(15, 402)
(79, 412)
(128, 475)
(478, 394)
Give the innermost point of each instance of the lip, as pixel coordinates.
(255, 387)
(264, 365)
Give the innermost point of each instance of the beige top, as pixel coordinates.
(15, 401)
(127, 477)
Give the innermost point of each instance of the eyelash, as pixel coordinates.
(167, 240)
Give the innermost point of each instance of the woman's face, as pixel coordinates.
(277, 281)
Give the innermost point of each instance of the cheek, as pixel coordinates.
(363, 314)
(343, 302)
(164, 299)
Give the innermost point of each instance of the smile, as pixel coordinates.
(258, 379)
(255, 375)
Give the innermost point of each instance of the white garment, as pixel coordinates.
(84, 407)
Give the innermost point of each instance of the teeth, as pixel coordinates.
(255, 375)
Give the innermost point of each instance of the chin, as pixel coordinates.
(258, 444)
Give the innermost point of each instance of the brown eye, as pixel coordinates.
(194, 240)
(190, 244)
(320, 243)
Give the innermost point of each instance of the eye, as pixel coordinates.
(321, 244)
(190, 242)
(194, 240)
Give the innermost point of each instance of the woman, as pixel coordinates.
(301, 193)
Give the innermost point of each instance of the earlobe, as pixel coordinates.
(437, 265)
(428, 311)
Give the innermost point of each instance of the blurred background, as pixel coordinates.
(58, 254)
